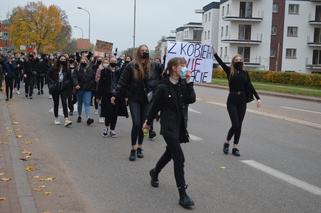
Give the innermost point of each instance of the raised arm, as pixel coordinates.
(226, 68)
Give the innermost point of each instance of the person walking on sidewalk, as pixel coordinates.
(72, 98)
(172, 96)
(42, 70)
(60, 85)
(241, 92)
(9, 76)
(84, 81)
(135, 80)
(19, 70)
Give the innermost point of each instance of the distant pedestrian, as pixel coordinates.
(241, 92)
(29, 74)
(10, 75)
(172, 96)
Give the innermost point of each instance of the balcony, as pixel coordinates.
(314, 20)
(236, 41)
(249, 63)
(314, 67)
(254, 18)
(314, 44)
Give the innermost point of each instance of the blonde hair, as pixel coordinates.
(143, 68)
(232, 72)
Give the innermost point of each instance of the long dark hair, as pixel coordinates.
(140, 68)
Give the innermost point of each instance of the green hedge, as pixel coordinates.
(290, 78)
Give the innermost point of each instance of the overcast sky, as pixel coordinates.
(112, 20)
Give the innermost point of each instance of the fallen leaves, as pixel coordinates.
(3, 142)
(47, 193)
(1, 173)
(26, 152)
(25, 158)
(29, 168)
(15, 123)
(28, 142)
(5, 179)
(3, 198)
(19, 136)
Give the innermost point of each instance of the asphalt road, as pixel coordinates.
(279, 170)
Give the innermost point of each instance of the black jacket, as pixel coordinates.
(136, 88)
(9, 69)
(29, 68)
(55, 86)
(105, 84)
(85, 78)
(42, 68)
(172, 101)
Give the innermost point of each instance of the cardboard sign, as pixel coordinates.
(104, 47)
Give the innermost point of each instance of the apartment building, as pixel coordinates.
(279, 35)
(190, 32)
(4, 36)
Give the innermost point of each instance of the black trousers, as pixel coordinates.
(29, 85)
(138, 113)
(17, 82)
(40, 82)
(55, 97)
(236, 107)
(71, 102)
(173, 151)
(9, 86)
(111, 118)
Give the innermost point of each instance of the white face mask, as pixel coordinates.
(105, 65)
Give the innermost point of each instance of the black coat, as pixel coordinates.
(172, 102)
(42, 68)
(10, 69)
(53, 82)
(105, 91)
(30, 69)
(85, 78)
(137, 89)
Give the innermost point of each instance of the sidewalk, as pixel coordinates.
(282, 95)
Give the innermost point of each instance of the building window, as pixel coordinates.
(225, 55)
(244, 32)
(290, 53)
(226, 30)
(228, 9)
(292, 31)
(317, 35)
(274, 30)
(223, 11)
(316, 58)
(205, 36)
(208, 34)
(209, 16)
(294, 9)
(275, 7)
(222, 31)
(205, 17)
(318, 13)
(245, 52)
(221, 51)
(273, 52)
(246, 9)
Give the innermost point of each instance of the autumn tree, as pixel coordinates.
(46, 28)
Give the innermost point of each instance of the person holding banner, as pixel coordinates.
(137, 80)
(173, 95)
(241, 92)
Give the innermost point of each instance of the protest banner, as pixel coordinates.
(199, 59)
(104, 47)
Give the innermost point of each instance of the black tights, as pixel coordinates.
(111, 118)
(9, 86)
(138, 114)
(236, 113)
(175, 152)
(55, 97)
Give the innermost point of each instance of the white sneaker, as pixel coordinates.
(18, 92)
(57, 122)
(50, 96)
(113, 134)
(104, 132)
(101, 120)
(96, 112)
(67, 122)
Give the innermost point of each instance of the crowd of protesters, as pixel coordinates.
(107, 85)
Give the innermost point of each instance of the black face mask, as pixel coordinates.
(83, 64)
(145, 55)
(126, 62)
(112, 64)
(98, 63)
(238, 66)
(63, 63)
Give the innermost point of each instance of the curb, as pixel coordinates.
(23, 188)
(282, 95)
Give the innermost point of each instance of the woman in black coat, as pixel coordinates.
(60, 85)
(172, 97)
(107, 83)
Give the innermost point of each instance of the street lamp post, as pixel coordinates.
(80, 8)
(82, 32)
(134, 36)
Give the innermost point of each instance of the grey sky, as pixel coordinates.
(112, 20)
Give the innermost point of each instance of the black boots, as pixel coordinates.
(140, 153)
(226, 148)
(154, 178)
(184, 200)
(236, 152)
(132, 156)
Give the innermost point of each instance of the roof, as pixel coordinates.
(212, 5)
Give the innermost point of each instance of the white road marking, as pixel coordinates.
(285, 177)
(298, 109)
(195, 138)
(193, 110)
(293, 120)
